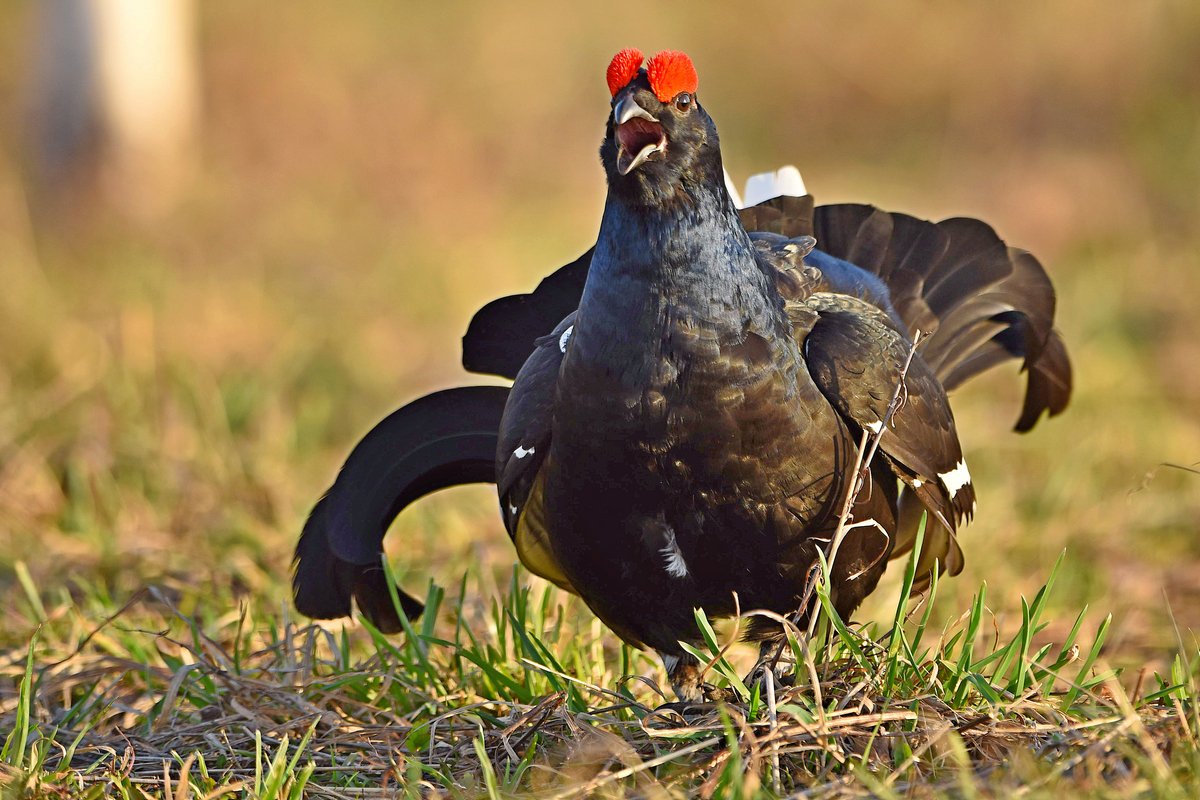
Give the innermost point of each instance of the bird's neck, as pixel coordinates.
(662, 268)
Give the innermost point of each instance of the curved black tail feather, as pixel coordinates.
(978, 301)
(443, 439)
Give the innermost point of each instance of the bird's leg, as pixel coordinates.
(776, 656)
(683, 671)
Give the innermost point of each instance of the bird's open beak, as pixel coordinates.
(637, 133)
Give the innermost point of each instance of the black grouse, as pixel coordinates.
(690, 396)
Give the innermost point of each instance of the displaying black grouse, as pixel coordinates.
(690, 395)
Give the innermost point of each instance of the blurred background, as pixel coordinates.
(235, 235)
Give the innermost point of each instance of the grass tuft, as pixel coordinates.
(515, 698)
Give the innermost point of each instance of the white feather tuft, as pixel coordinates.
(783, 182)
(676, 566)
(956, 478)
(733, 192)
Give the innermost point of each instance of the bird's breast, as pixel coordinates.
(662, 396)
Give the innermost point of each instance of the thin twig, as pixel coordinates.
(773, 718)
(871, 439)
(867, 447)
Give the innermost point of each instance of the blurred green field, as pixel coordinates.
(176, 392)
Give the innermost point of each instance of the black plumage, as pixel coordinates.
(443, 439)
(690, 393)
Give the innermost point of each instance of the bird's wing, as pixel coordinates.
(523, 452)
(855, 354)
(502, 334)
(785, 255)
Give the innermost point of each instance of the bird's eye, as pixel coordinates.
(683, 101)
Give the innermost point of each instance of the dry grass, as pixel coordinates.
(517, 703)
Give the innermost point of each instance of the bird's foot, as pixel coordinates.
(708, 701)
(689, 686)
(779, 660)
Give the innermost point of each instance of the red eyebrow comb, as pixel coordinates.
(671, 72)
(623, 68)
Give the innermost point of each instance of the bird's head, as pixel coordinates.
(658, 135)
